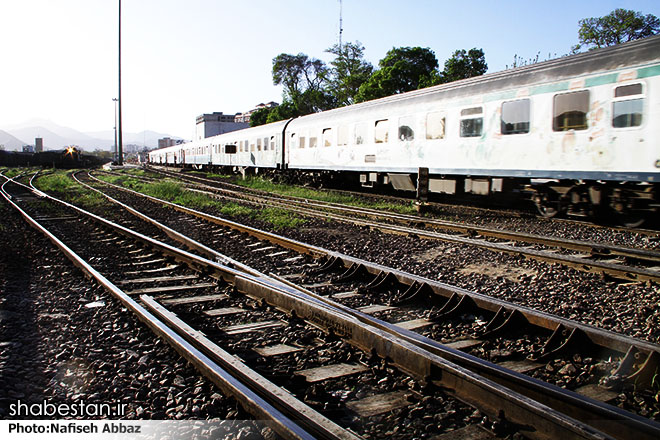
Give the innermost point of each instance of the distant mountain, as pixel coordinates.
(10, 142)
(56, 136)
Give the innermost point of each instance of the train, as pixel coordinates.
(577, 135)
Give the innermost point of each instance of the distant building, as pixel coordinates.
(131, 148)
(28, 149)
(217, 123)
(168, 142)
(245, 117)
(38, 145)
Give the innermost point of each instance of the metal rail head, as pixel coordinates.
(426, 362)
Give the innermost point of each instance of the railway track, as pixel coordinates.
(623, 263)
(431, 207)
(561, 335)
(508, 411)
(207, 355)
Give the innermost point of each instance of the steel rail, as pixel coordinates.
(577, 245)
(616, 270)
(253, 403)
(490, 397)
(577, 405)
(545, 320)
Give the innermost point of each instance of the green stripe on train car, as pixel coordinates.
(610, 78)
(549, 88)
(646, 72)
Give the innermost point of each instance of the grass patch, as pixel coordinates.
(219, 176)
(13, 172)
(66, 188)
(125, 181)
(176, 193)
(235, 210)
(56, 182)
(280, 218)
(259, 183)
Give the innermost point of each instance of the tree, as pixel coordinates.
(349, 71)
(259, 117)
(304, 80)
(403, 69)
(286, 110)
(464, 64)
(619, 26)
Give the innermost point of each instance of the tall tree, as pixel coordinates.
(619, 26)
(465, 64)
(298, 73)
(304, 80)
(349, 71)
(260, 116)
(403, 69)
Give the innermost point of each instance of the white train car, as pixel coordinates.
(583, 125)
(580, 133)
(257, 147)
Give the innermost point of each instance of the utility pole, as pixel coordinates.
(341, 28)
(120, 145)
(114, 152)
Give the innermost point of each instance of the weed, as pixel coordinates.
(280, 218)
(324, 196)
(56, 182)
(235, 210)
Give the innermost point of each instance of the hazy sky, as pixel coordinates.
(182, 58)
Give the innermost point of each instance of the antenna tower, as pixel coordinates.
(341, 28)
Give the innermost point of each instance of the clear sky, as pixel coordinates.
(182, 58)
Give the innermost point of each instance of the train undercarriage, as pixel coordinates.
(630, 204)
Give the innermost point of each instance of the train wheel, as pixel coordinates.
(547, 203)
(630, 220)
(625, 209)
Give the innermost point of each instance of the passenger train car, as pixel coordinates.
(580, 134)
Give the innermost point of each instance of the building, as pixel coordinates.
(28, 149)
(169, 142)
(131, 148)
(217, 123)
(38, 145)
(245, 117)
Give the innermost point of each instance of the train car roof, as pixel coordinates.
(632, 54)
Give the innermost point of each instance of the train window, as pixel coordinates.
(265, 143)
(570, 111)
(629, 90)
(301, 141)
(435, 126)
(230, 149)
(342, 135)
(312, 142)
(252, 147)
(247, 146)
(406, 131)
(272, 143)
(472, 122)
(627, 112)
(327, 137)
(259, 144)
(381, 132)
(515, 117)
(360, 133)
